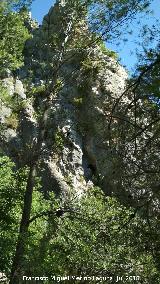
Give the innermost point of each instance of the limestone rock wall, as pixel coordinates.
(75, 152)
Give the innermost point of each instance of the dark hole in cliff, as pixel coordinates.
(92, 168)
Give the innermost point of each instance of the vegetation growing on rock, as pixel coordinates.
(79, 163)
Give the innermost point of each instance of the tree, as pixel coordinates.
(51, 67)
(8, 195)
(11, 47)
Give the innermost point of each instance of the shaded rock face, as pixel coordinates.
(81, 118)
(75, 153)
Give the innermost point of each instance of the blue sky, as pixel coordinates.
(40, 8)
(125, 51)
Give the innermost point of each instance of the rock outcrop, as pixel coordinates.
(76, 152)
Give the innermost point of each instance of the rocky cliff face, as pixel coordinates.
(76, 152)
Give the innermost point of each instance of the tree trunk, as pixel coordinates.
(24, 226)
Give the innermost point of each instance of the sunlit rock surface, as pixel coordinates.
(75, 152)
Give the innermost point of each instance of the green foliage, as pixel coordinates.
(12, 121)
(14, 102)
(38, 90)
(16, 4)
(151, 84)
(90, 68)
(59, 140)
(78, 101)
(13, 36)
(107, 51)
(87, 64)
(5, 98)
(97, 236)
(10, 207)
(12, 188)
(108, 16)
